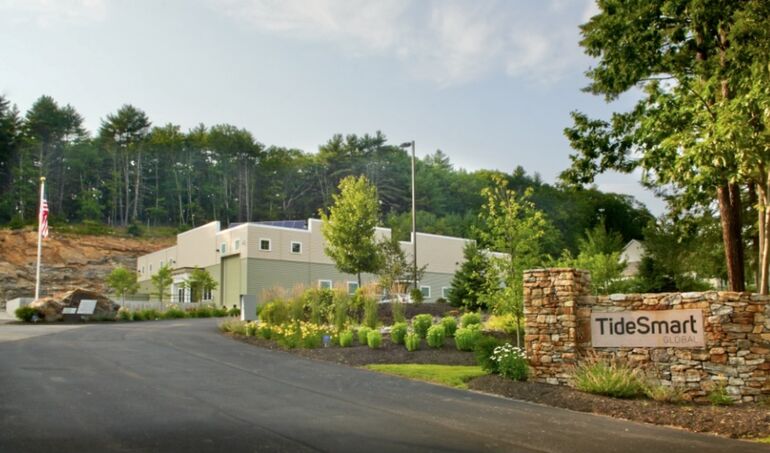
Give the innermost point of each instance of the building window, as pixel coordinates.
(325, 284)
(445, 292)
(352, 287)
(151, 268)
(160, 266)
(425, 290)
(143, 269)
(180, 295)
(223, 248)
(207, 294)
(236, 245)
(296, 247)
(264, 245)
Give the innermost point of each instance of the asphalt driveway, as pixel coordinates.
(179, 386)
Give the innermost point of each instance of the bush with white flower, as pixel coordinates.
(511, 362)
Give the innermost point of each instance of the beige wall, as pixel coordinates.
(149, 264)
(197, 247)
(442, 254)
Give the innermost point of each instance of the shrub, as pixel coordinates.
(417, 296)
(436, 335)
(412, 341)
(233, 326)
(138, 315)
(466, 338)
(370, 312)
(450, 325)
(483, 350)
(397, 310)
(125, 314)
(312, 341)
(26, 313)
(341, 304)
(296, 307)
(275, 313)
(346, 339)
(266, 332)
(150, 314)
(665, 393)
(251, 329)
(220, 312)
(470, 318)
(135, 229)
(511, 362)
(174, 313)
(374, 339)
(363, 331)
(398, 332)
(234, 311)
(421, 324)
(719, 396)
(503, 323)
(610, 378)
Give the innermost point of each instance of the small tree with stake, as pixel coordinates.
(161, 281)
(122, 281)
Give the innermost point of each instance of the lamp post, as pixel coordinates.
(414, 220)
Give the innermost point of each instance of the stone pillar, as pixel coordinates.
(551, 298)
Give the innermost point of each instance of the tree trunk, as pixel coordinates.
(730, 218)
(763, 217)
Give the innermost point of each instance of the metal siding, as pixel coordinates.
(231, 280)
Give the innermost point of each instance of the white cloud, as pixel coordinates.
(47, 13)
(448, 42)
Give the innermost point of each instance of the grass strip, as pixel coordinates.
(450, 375)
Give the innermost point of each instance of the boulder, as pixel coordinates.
(51, 307)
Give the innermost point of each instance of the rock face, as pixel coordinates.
(68, 261)
(52, 307)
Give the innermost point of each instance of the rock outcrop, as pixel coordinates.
(69, 261)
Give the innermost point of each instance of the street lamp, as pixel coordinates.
(414, 220)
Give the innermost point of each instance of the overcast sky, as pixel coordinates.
(490, 83)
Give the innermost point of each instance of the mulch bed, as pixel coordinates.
(740, 421)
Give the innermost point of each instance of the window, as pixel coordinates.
(180, 295)
(223, 248)
(207, 294)
(325, 284)
(143, 269)
(264, 245)
(236, 245)
(445, 292)
(296, 247)
(161, 264)
(151, 268)
(352, 287)
(425, 290)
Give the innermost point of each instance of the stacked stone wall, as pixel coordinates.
(558, 307)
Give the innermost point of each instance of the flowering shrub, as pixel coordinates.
(374, 339)
(398, 332)
(466, 337)
(412, 341)
(251, 329)
(450, 325)
(470, 318)
(346, 339)
(421, 323)
(302, 333)
(436, 336)
(362, 333)
(511, 362)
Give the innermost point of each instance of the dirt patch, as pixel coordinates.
(744, 421)
(437, 309)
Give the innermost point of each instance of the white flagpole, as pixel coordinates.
(39, 238)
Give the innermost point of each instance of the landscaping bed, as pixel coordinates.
(740, 421)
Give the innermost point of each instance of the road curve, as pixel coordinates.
(179, 386)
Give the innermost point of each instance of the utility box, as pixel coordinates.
(248, 307)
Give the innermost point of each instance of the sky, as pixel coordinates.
(490, 83)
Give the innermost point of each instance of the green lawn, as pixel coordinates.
(764, 440)
(451, 375)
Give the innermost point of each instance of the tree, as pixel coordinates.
(510, 224)
(599, 254)
(469, 282)
(693, 59)
(122, 281)
(349, 227)
(199, 282)
(395, 272)
(162, 281)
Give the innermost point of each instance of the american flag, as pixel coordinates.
(43, 220)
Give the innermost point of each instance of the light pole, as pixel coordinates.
(414, 220)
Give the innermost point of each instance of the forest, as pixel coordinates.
(132, 172)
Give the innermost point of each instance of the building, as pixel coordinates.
(249, 258)
(632, 255)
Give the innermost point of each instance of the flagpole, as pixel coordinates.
(39, 238)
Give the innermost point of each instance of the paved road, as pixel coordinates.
(179, 386)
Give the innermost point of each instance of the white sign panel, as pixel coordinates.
(653, 329)
(69, 310)
(87, 307)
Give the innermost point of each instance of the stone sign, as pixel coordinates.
(86, 307)
(654, 329)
